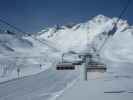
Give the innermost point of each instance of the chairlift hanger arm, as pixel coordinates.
(66, 53)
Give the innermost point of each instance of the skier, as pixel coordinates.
(18, 72)
(40, 66)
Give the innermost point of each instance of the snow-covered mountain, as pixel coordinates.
(70, 37)
(29, 56)
(11, 43)
(78, 37)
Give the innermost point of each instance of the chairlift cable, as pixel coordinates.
(26, 33)
(12, 26)
(117, 21)
(124, 10)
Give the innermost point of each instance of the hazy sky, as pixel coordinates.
(34, 15)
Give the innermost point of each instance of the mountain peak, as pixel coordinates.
(75, 36)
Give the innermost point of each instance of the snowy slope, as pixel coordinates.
(27, 54)
(73, 37)
(24, 53)
(78, 37)
(10, 42)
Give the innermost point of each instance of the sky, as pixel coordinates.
(34, 15)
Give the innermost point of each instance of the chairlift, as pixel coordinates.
(94, 63)
(67, 65)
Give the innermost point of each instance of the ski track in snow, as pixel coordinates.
(43, 86)
(108, 87)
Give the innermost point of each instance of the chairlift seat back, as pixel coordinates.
(65, 66)
(96, 68)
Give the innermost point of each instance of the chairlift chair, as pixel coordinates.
(93, 62)
(96, 67)
(68, 65)
(65, 66)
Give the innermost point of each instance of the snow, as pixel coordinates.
(115, 84)
(43, 86)
(35, 83)
(122, 50)
(27, 71)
